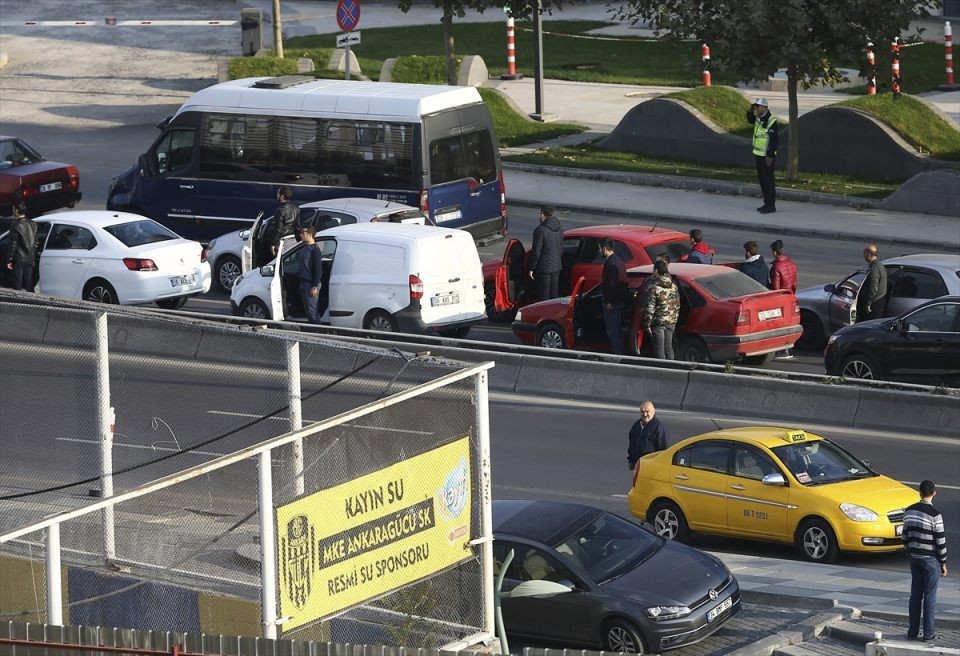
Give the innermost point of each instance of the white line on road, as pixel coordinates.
(313, 421)
(145, 447)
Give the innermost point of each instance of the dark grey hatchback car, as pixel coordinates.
(629, 590)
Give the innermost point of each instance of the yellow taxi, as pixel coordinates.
(775, 484)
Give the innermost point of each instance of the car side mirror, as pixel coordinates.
(775, 479)
(830, 288)
(244, 234)
(267, 270)
(143, 163)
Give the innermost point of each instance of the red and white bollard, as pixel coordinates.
(895, 67)
(948, 54)
(511, 53)
(705, 55)
(871, 70)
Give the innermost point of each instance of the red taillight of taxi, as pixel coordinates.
(203, 255)
(636, 472)
(136, 264)
(416, 288)
(74, 177)
(425, 202)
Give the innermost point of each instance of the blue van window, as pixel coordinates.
(463, 156)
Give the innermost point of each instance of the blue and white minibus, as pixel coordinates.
(222, 157)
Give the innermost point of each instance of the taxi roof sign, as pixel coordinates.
(795, 436)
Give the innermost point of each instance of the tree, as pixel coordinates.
(753, 38)
(458, 8)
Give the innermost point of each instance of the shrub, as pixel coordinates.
(431, 69)
(261, 67)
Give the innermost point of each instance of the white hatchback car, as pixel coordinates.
(226, 251)
(116, 257)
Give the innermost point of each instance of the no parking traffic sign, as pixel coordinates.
(348, 14)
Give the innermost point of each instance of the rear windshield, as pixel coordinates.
(730, 284)
(674, 249)
(138, 233)
(17, 153)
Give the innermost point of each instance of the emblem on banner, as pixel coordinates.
(299, 560)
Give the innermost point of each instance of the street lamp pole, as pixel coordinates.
(537, 62)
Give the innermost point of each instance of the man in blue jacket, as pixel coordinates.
(545, 255)
(647, 435)
(310, 272)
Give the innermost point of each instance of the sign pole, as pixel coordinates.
(346, 64)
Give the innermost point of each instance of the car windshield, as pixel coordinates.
(609, 547)
(138, 233)
(17, 153)
(729, 284)
(821, 461)
(674, 249)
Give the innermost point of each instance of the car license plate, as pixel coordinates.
(445, 299)
(180, 281)
(727, 603)
(53, 186)
(775, 313)
(899, 530)
(447, 216)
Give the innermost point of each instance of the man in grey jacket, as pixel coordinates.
(872, 299)
(546, 255)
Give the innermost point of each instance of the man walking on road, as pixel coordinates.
(647, 435)
(926, 543)
(766, 140)
(545, 255)
(872, 299)
(615, 291)
(22, 255)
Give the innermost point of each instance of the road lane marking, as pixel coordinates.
(144, 447)
(251, 415)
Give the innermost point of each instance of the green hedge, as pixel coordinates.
(415, 69)
(271, 66)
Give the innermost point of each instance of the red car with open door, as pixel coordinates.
(724, 316)
(507, 284)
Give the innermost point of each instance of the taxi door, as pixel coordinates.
(755, 509)
(701, 482)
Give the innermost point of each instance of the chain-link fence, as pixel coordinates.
(94, 399)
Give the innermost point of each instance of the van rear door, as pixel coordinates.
(449, 268)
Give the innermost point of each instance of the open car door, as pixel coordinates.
(573, 320)
(276, 287)
(843, 301)
(511, 277)
(247, 259)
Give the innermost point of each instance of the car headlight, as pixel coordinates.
(519, 316)
(667, 612)
(858, 513)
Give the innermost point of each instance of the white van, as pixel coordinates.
(390, 277)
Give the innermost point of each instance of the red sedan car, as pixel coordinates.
(25, 176)
(507, 285)
(724, 316)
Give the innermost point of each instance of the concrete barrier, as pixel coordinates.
(473, 71)
(785, 400)
(908, 411)
(930, 192)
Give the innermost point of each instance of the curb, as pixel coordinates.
(945, 623)
(799, 633)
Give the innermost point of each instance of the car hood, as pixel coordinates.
(675, 575)
(858, 329)
(880, 494)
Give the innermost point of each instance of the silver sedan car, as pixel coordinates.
(911, 281)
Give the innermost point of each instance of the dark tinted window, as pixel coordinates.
(919, 283)
(674, 250)
(609, 546)
(137, 233)
(174, 152)
(17, 153)
(729, 284)
(938, 318)
(70, 237)
(463, 156)
(710, 456)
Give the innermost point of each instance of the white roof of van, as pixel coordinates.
(329, 97)
(391, 231)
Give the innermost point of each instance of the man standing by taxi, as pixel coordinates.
(647, 435)
(926, 543)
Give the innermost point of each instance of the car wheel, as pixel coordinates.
(489, 294)
(693, 349)
(253, 308)
(551, 336)
(380, 320)
(455, 333)
(622, 636)
(171, 303)
(757, 360)
(816, 541)
(100, 291)
(226, 271)
(860, 366)
(668, 521)
(812, 337)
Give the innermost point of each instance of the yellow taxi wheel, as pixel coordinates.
(668, 521)
(817, 541)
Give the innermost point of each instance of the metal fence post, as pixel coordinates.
(296, 411)
(104, 422)
(268, 551)
(486, 494)
(54, 598)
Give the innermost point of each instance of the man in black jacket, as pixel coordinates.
(286, 219)
(647, 435)
(872, 297)
(545, 255)
(616, 291)
(310, 272)
(22, 254)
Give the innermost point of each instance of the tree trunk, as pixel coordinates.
(448, 43)
(277, 30)
(793, 157)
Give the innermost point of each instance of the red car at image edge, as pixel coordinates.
(25, 176)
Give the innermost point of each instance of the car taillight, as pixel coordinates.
(425, 202)
(636, 471)
(136, 264)
(743, 317)
(503, 198)
(203, 255)
(26, 191)
(416, 288)
(472, 185)
(796, 308)
(74, 177)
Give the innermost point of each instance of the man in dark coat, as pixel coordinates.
(616, 291)
(545, 255)
(647, 435)
(21, 256)
(286, 219)
(872, 298)
(753, 264)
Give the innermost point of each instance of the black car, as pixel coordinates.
(922, 345)
(629, 589)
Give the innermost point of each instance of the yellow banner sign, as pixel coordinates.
(340, 547)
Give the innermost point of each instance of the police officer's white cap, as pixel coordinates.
(760, 101)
